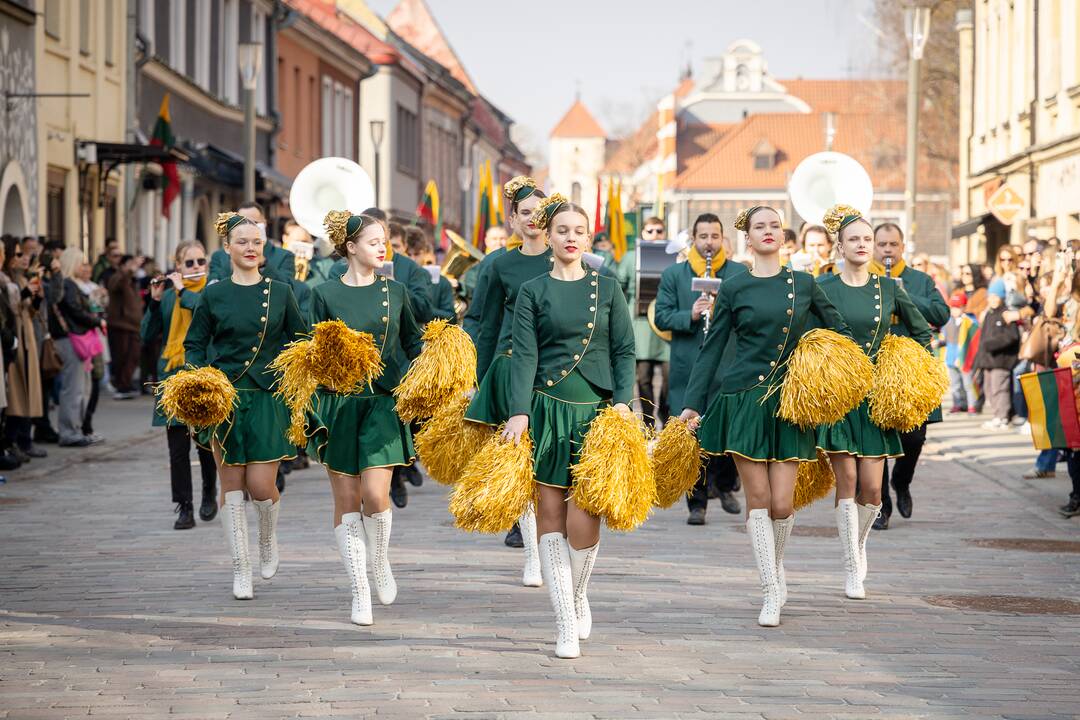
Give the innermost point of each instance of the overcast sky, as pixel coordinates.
(529, 57)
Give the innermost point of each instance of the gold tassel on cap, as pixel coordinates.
(447, 442)
(613, 477)
(676, 462)
(335, 357)
(201, 397)
(496, 487)
(445, 369)
(909, 383)
(827, 377)
(813, 481)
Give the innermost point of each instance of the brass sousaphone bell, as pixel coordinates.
(460, 256)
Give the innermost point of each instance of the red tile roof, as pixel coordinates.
(414, 22)
(848, 96)
(578, 122)
(325, 14)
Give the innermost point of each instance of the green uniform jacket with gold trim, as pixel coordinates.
(561, 326)
(923, 292)
(674, 304)
(474, 286)
(502, 282)
(867, 310)
(767, 317)
(381, 309)
(240, 329)
(408, 273)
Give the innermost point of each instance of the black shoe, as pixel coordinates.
(35, 452)
(186, 519)
(398, 492)
(20, 454)
(882, 522)
(285, 467)
(513, 538)
(413, 475)
(280, 482)
(712, 491)
(9, 461)
(903, 502)
(730, 503)
(697, 517)
(738, 485)
(1071, 508)
(208, 508)
(46, 436)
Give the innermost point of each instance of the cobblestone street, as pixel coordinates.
(106, 611)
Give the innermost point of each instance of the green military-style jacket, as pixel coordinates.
(923, 292)
(503, 280)
(408, 273)
(381, 309)
(240, 329)
(565, 326)
(674, 303)
(156, 323)
(473, 287)
(441, 295)
(868, 309)
(767, 316)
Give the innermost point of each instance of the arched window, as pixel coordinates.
(575, 193)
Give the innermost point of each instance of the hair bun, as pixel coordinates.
(515, 184)
(547, 208)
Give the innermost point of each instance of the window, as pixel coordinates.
(347, 126)
(327, 116)
(764, 156)
(297, 104)
(53, 18)
(337, 119)
(110, 32)
(146, 19)
(86, 26)
(178, 39)
(258, 34)
(408, 141)
(309, 102)
(55, 203)
(230, 33)
(201, 31)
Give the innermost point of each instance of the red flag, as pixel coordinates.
(598, 225)
(163, 137)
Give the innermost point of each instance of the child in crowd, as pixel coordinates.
(960, 344)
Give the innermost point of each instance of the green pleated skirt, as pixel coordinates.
(745, 425)
(857, 435)
(353, 433)
(559, 418)
(255, 433)
(491, 403)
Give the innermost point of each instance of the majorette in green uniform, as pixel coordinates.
(498, 291)
(359, 437)
(573, 354)
(857, 447)
(239, 327)
(767, 310)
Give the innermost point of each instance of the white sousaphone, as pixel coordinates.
(329, 183)
(825, 179)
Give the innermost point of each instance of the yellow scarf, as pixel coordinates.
(698, 263)
(173, 354)
(389, 252)
(514, 242)
(898, 267)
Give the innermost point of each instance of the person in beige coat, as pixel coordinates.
(24, 396)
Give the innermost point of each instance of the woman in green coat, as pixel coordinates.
(857, 447)
(494, 346)
(573, 355)
(766, 310)
(240, 325)
(359, 438)
(173, 299)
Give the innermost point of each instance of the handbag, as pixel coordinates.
(51, 362)
(1042, 342)
(86, 345)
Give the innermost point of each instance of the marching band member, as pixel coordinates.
(684, 312)
(168, 317)
(920, 288)
(573, 354)
(767, 311)
(496, 242)
(359, 438)
(499, 285)
(239, 327)
(857, 448)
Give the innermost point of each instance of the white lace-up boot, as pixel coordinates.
(234, 522)
(847, 525)
(268, 552)
(352, 546)
(531, 577)
(760, 529)
(555, 568)
(867, 515)
(377, 527)
(581, 565)
(781, 533)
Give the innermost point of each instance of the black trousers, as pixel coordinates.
(720, 471)
(180, 466)
(654, 408)
(903, 471)
(1072, 458)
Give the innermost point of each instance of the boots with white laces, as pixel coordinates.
(531, 576)
(581, 566)
(781, 533)
(760, 529)
(847, 526)
(268, 550)
(377, 527)
(352, 546)
(234, 522)
(555, 568)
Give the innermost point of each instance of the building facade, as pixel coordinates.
(19, 199)
(1019, 122)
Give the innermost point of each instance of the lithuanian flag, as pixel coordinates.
(428, 211)
(162, 136)
(1052, 409)
(483, 207)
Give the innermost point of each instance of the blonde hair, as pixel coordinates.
(183, 247)
(70, 260)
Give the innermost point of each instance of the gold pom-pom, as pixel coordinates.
(546, 210)
(335, 223)
(496, 487)
(909, 383)
(447, 442)
(613, 477)
(676, 462)
(813, 481)
(834, 217)
(335, 357)
(510, 189)
(201, 397)
(221, 223)
(445, 369)
(827, 377)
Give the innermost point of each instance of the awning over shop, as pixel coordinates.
(108, 156)
(969, 227)
(227, 168)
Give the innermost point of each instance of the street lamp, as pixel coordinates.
(917, 28)
(378, 129)
(249, 57)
